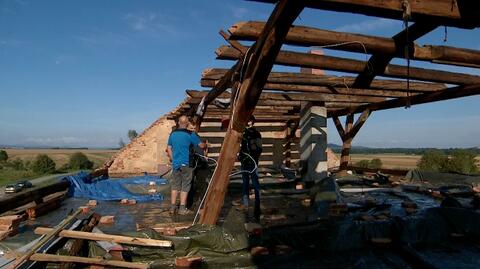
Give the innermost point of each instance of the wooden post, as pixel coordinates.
(290, 129)
(348, 134)
(258, 67)
(347, 143)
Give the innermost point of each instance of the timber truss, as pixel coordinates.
(249, 87)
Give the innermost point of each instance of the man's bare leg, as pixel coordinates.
(173, 202)
(183, 198)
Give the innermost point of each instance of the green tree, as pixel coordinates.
(433, 160)
(17, 164)
(362, 163)
(462, 161)
(132, 134)
(79, 160)
(375, 164)
(3, 156)
(43, 164)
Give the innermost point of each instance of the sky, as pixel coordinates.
(82, 73)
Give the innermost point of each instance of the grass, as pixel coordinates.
(59, 156)
(8, 175)
(394, 160)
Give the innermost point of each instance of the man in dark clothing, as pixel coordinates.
(250, 152)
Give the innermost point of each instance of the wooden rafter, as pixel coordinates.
(275, 96)
(212, 75)
(308, 60)
(451, 93)
(338, 89)
(259, 65)
(458, 13)
(309, 36)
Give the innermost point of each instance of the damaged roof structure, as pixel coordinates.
(280, 96)
(375, 222)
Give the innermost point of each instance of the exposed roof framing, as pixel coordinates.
(458, 13)
(309, 36)
(291, 58)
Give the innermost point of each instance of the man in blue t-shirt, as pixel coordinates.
(178, 151)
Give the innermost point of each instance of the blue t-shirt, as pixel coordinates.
(180, 141)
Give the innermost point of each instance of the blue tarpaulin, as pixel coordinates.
(81, 186)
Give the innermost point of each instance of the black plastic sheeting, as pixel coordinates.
(441, 179)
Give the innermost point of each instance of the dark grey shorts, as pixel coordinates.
(182, 179)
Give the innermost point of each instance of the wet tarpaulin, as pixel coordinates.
(111, 189)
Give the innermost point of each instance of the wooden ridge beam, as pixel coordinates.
(450, 93)
(259, 65)
(459, 13)
(309, 36)
(308, 60)
(330, 81)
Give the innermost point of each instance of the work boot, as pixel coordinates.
(183, 211)
(173, 209)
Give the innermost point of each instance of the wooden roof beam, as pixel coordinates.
(308, 60)
(378, 62)
(339, 89)
(309, 36)
(458, 13)
(315, 97)
(327, 81)
(451, 93)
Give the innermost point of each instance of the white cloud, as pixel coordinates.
(239, 12)
(97, 38)
(151, 24)
(369, 25)
(65, 140)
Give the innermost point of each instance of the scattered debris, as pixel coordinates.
(188, 262)
(107, 219)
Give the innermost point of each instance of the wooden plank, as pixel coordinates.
(309, 36)
(109, 237)
(259, 65)
(308, 60)
(53, 232)
(82, 260)
(451, 93)
(329, 81)
(459, 13)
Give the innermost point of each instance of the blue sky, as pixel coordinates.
(81, 73)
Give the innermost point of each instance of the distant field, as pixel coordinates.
(61, 156)
(394, 160)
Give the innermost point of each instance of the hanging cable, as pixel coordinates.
(209, 183)
(406, 17)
